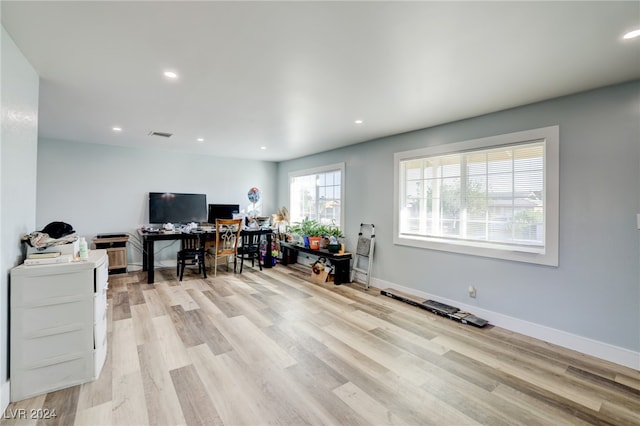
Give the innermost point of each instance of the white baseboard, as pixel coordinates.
(608, 352)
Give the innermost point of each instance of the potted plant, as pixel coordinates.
(336, 232)
(315, 236)
(323, 231)
(304, 229)
(335, 236)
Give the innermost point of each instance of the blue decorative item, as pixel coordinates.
(254, 195)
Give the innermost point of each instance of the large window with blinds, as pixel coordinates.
(495, 197)
(317, 194)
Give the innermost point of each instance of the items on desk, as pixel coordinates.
(257, 222)
(170, 228)
(189, 227)
(280, 219)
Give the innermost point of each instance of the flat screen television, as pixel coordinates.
(222, 211)
(171, 207)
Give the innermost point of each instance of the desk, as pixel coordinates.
(149, 239)
(340, 262)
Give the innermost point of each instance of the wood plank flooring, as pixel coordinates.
(270, 347)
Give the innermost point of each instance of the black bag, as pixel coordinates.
(58, 229)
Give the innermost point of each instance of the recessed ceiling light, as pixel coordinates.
(200, 139)
(263, 148)
(358, 121)
(170, 74)
(116, 129)
(631, 34)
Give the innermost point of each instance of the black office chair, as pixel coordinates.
(191, 254)
(250, 249)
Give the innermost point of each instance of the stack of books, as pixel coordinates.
(47, 258)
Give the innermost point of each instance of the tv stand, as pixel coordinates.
(116, 246)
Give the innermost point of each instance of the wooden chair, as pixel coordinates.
(191, 254)
(249, 249)
(227, 238)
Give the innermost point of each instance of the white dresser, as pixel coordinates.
(58, 325)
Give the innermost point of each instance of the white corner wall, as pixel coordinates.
(18, 161)
(104, 189)
(590, 301)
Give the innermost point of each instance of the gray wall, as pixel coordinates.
(595, 291)
(104, 189)
(18, 147)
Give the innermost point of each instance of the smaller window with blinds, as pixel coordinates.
(317, 194)
(495, 197)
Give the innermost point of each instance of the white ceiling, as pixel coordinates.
(293, 76)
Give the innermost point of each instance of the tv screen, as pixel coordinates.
(222, 211)
(171, 207)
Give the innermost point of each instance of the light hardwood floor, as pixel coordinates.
(272, 348)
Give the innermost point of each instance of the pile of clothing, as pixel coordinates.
(54, 234)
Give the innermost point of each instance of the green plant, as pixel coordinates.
(322, 230)
(312, 228)
(316, 230)
(307, 227)
(294, 229)
(334, 231)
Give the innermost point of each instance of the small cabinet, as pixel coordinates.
(116, 247)
(58, 325)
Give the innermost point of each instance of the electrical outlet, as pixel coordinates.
(472, 292)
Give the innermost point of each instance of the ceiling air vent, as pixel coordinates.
(161, 134)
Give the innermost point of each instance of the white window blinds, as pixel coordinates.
(490, 197)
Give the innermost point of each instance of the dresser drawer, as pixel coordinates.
(39, 290)
(27, 321)
(46, 378)
(39, 348)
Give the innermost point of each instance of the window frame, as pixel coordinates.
(319, 170)
(547, 255)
